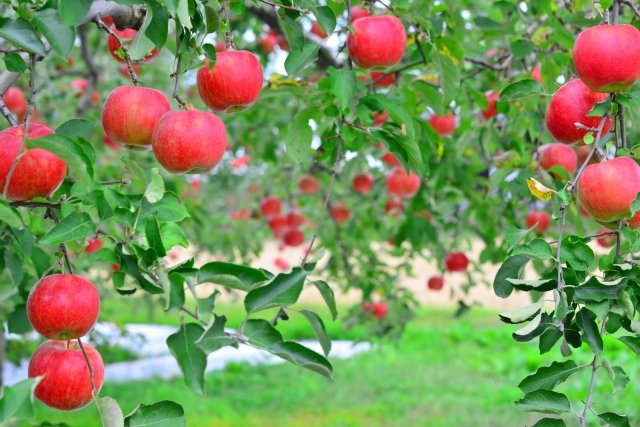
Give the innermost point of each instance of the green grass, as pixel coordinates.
(444, 372)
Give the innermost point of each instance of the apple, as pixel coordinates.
(541, 218)
(606, 190)
(317, 30)
(94, 245)
(403, 184)
(281, 264)
(38, 173)
(278, 225)
(435, 283)
(606, 241)
(127, 35)
(63, 306)
(340, 213)
(390, 159)
(393, 206)
(380, 310)
(560, 155)
(381, 79)
(189, 141)
(270, 207)
(131, 113)
(67, 382)
(491, 105)
(241, 215)
(221, 46)
(443, 125)
(16, 102)
(569, 105)
(377, 41)
(536, 74)
(607, 57)
(109, 143)
(240, 162)
(379, 118)
(583, 152)
(295, 218)
(268, 42)
(363, 183)
(358, 12)
(124, 70)
(456, 261)
(233, 84)
(293, 237)
(79, 85)
(308, 184)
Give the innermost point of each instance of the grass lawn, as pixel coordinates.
(445, 372)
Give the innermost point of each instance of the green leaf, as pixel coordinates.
(537, 248)
(594, 290)
(632, 342)
(296, 60)
(155, 189)
(76, 226)
(77, 127)
(210, 53)
(16, 401)
(233, 276)
(73, 12)
(8, 215)
(577, 254)
(514, 235)
(550, 422)
(448, 74)
(618, 376)
(22, 34)
(545, 401)
(326, 18)
(521, 89)
(610, 419)
(328, 297)
(110, 412)
(523, 314)
(600, 109)
(77, 153)
(214, 338)
(141, 45)
(521, 48)
(298, 136)
(635, 205)
(283, 289)
(190, 357)
(302, 356)
(295, 36)
(512, 268)
(161, 414)
(399, 115)
(154, 239)
(549, 377)
(318, 328)
(158, 28)
(15, 63)
(15, 265)
(591, 334)
(343, 85)
(212, 18)
(261, 333)
(172, 235)
(59, 36)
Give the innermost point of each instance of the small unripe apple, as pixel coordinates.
(558, 155)
(233, 84)
(363, 183)
(541, 218)
(435, 283)
(606, 241)
(293, 237)
(456, 261)
(340, 213)
(491, 110)
(377, 41)
(403, 184)
(570, 105)
(130, 114)
(189, 141)
(358, 12)
(67, 382)
(607, 57)
(38, 173)
(63, 306)
(16, 102)
(317, 30)
(270, 206)
(443, 125)
(127, 35)
(308, 184)
(606, 190)
(381, 79)
(379, 118)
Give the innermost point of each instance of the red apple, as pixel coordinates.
(79, 85)
(606, 189)
(94, 245)
(221, 46)
(443, 125)
(457, 261)
(293, 237)
(189, 141)
(16, 102)
(340, 213)
(278, 225)
(240, 162)
(308, 184)
(131, 113)
(281, 264)
(381, 79)
(536, 74)
(295, 218)
(541, 218)
(109, 143)
(403, 184)
(558, 155)
(377, 41)
(390, 160)
(233, 84)
(570, 105)
(435, 283)
(607, 57)
(380, 310)
(358, 12)
(124, 70)
(270, 206)
(491, 105)
(379, 118)
(582, 152)
(127, 35)
(363, 183)
(38, 173)
(241, 215)
(317, 30)
(268, 42)
(63, 306)
(67, 382)
(608, 240)
(393, 206)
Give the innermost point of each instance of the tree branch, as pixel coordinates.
(124, 16)
(7, 114)
(94, 72)
(123, 46)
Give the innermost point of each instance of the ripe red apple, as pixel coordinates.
(221, 46)
(94, 245)
(16, 102)
(435, 283)
(268, 42)
(380, 310)
(281, 264)
(583, 152)
(308, 184)
(570, 105)
(63, 306)
(443, 125)
(295, 218)
(340, 213)
(606, 241)
(542, 218)
(390, 159)
(293, 237)
(79, 85)
(240, 162)
(558, 155)
(403, 184)
(39, 172)
(379, 118)
(233, 84)
(130, 114)
(377, 41)
(491, 105)
(536, 74)
(606, 189)
(270, 207)
(317, 30)
(189, 141)
(363, 183)
(607, 57)
(278, 225)
(67, 383)
(381, 79)
(456, 261)
(393, 206)
(358, 12)
(127, 35)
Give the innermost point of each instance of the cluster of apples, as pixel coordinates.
(285, 227)
(455, 262)
(63, 308)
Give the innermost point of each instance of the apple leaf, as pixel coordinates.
(161, 414)
(547, 377)
(550, 422)
(21, 33)
(326, 19)
(191, 358)
(298, 136)
(512, 268)
(8, 215)
(296, 60)
(110, 412)
(76, 226)
(14, 63)
(283, 289)
(59, 36)
(214, 338)
(318, 328)
(448, 74)
(17, 401)
(155, 189)
(521, 88)
(158, 28)
(539, 190)
(233, 276)
(141, 45)
(343, 85)
(72, 12)
(328, 297)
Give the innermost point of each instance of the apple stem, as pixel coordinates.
(91, 373)
(123, 46)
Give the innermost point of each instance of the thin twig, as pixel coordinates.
(176, 75)
(51, 213)
(94, 72)
(7, 114)
(284, 6)
(592, 381)
(35, 205)
(632, 5)
(123, 46)
(116, 182)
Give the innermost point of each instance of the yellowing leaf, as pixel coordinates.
(539, 190)
(440, 150)
(447, 52)
(278, 80)
(540, 35)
